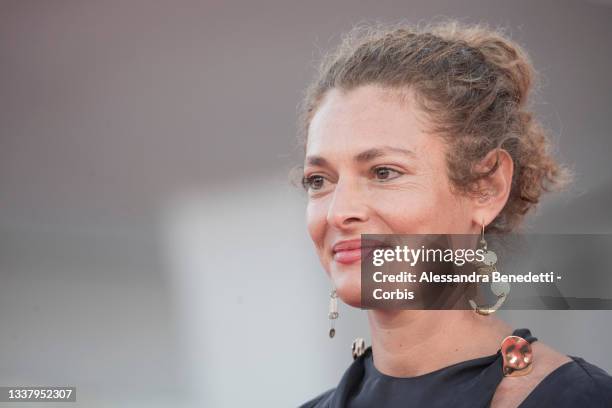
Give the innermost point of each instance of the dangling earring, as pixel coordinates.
(333, 312)
(486, 267)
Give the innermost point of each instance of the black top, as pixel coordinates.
(470, 383)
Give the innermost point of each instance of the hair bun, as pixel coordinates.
(506, 57)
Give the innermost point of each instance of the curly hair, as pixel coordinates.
(471, 81)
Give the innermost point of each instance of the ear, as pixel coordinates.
(492, 191)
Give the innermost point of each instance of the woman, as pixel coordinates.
(426, 131)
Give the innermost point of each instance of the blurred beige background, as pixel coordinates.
(152, 251)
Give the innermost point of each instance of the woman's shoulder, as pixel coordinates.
(575, 383)
(557, 380)
(338, 394)
(320, 401)
(594, 375)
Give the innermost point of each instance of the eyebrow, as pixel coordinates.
(363, 157)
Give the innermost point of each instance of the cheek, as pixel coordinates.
(427, 210)
(315, 221)
(450, 213)
(411, 216)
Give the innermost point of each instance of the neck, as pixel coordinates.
(407, 343)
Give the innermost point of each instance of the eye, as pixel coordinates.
(315, 182)
(385, 173)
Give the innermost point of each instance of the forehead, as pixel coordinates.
(362, 117)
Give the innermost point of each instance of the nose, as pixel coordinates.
(347, 208)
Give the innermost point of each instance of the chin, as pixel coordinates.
(348, 287)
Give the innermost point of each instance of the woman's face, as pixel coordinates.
(372, 169)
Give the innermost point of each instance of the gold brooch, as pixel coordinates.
(517, 356)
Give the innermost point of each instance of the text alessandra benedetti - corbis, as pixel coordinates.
(430, 277)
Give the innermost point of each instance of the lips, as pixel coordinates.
(347, 252)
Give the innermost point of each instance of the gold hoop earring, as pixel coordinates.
(487, 267)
